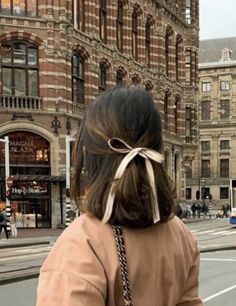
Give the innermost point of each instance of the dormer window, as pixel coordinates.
(226, 54)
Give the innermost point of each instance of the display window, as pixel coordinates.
(29, 156)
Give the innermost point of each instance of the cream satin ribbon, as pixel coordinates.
(130, 152)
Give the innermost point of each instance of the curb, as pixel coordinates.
(24, 244)
(220, 248)
(19, 275)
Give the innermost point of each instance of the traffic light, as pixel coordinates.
(197, 194)
(68, 192)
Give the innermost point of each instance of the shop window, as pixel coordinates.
(206, 145)
(224, 144)
(224, 192)
(188, 193)
(224, 109)
(206, 110)
(26, 148)
(224, 86)
(103, 20)
(135, 35)
(28, 8)
(20, 69)
(78, 83)
(206, 171)
(119, 25)
(78, 11)
(102, 77)
(224, 168)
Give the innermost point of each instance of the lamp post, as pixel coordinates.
(7, 173)
(68, 203)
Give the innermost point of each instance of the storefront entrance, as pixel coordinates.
(33, 213)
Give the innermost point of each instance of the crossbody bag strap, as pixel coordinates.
(120, 244)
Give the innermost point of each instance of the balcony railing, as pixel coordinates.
(20, 103)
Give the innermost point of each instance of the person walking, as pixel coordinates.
(13, 221)
(199, 209)
(128, 247)
(194, 209)
(3, 222)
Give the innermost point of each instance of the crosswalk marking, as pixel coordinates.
(206, 232)
(213, 232)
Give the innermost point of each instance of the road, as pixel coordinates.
(217, 278)
(217, 273)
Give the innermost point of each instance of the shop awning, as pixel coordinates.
(37, 178)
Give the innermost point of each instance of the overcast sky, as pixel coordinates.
(217, 18)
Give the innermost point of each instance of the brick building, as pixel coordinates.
(213, 168)
(56, 56)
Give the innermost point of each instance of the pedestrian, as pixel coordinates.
(199, 209)
(13, 221)
(128, 217)
(3, 222)
(188, 208)
(194, 209)
(204, 210)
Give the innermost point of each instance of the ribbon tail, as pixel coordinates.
(154, 202)
(109, 205)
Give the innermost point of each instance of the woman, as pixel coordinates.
(118, 163)
(13, 221)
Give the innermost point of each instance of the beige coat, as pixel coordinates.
(83, 269)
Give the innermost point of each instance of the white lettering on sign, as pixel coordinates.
(29, 190)
(22, 146)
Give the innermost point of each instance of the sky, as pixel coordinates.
(217, 18)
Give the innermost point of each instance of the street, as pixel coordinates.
(217, 278)
(217, 271)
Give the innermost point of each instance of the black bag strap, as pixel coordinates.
(120, 244)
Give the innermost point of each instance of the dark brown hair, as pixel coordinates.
(127, 113)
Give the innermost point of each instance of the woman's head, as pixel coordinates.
(130, 115)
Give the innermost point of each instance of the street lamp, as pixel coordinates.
(7, 173)
(69, 139)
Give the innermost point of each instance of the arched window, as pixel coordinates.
(135, 34)
(102, 76)
(119, 26)
(176, 114)
(178, 55)
(20, 69)
(19, 8)
(120, 74)
(78, 11)
(167, 52)
(166, 111)
(103, 20)
(77, 78)
(148, 41)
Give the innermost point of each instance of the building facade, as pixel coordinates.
(214, 167)
(56, 56)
